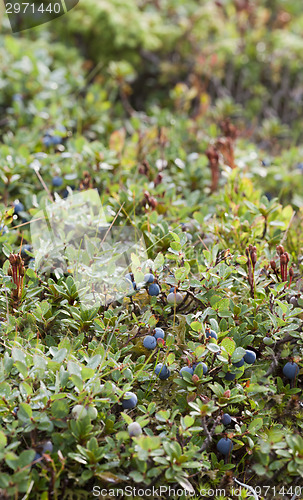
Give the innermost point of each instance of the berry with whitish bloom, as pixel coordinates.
(47, 140)
(57, 181)
(205, 369)
(174, 298)
(239, 363)
(129, 401)
(230, 376)
(291, 370)
(134, 429)
(150, 342)
(225, 446)
(249, 357)
(159, 333)
(226, 419)
(186, 369)
(47, 447)
(162, 371)
(149, 278)
(154, 289)
(19, 207)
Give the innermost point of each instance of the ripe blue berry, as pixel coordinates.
(162, 371)
(149, 278)
(225, 446)
(210, 334)
(159, 333)
(249, 357)
(47, 140)
(47, 447)
(37, 459)
(174, 298)
(205, 369)
(226, 419)
(230, 376)
(291, 370)
(186, 369)
(239, 363)
(154, 289)
(129, 401)
(57, 181)
(150, 342)
(19, 207)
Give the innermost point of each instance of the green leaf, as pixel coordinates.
(255, 425)
(228, 344)
(25, 412)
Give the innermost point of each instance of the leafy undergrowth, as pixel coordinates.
(222, 224)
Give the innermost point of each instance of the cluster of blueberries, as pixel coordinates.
(150, 341)
(174, 297)
(51, 139)
(249, 358)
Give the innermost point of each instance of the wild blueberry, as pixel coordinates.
(249, 357)
(57, 181)
(134, 429)
(149, 278)
(230, 376)
(150, 342)
(154, 289)
(186, 369)
(15, 411)
(226, 419)
(47, 447)
(162, 371)
(291, 370)
(159, 333)
(174, 298)
(210, 334)
(19, 207)
(47, 140)
(225, 446)
(205, 369)
(26, 248)
(129, 401)
(239, 363)
(37, 459)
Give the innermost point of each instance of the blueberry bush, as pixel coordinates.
(185, 118)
